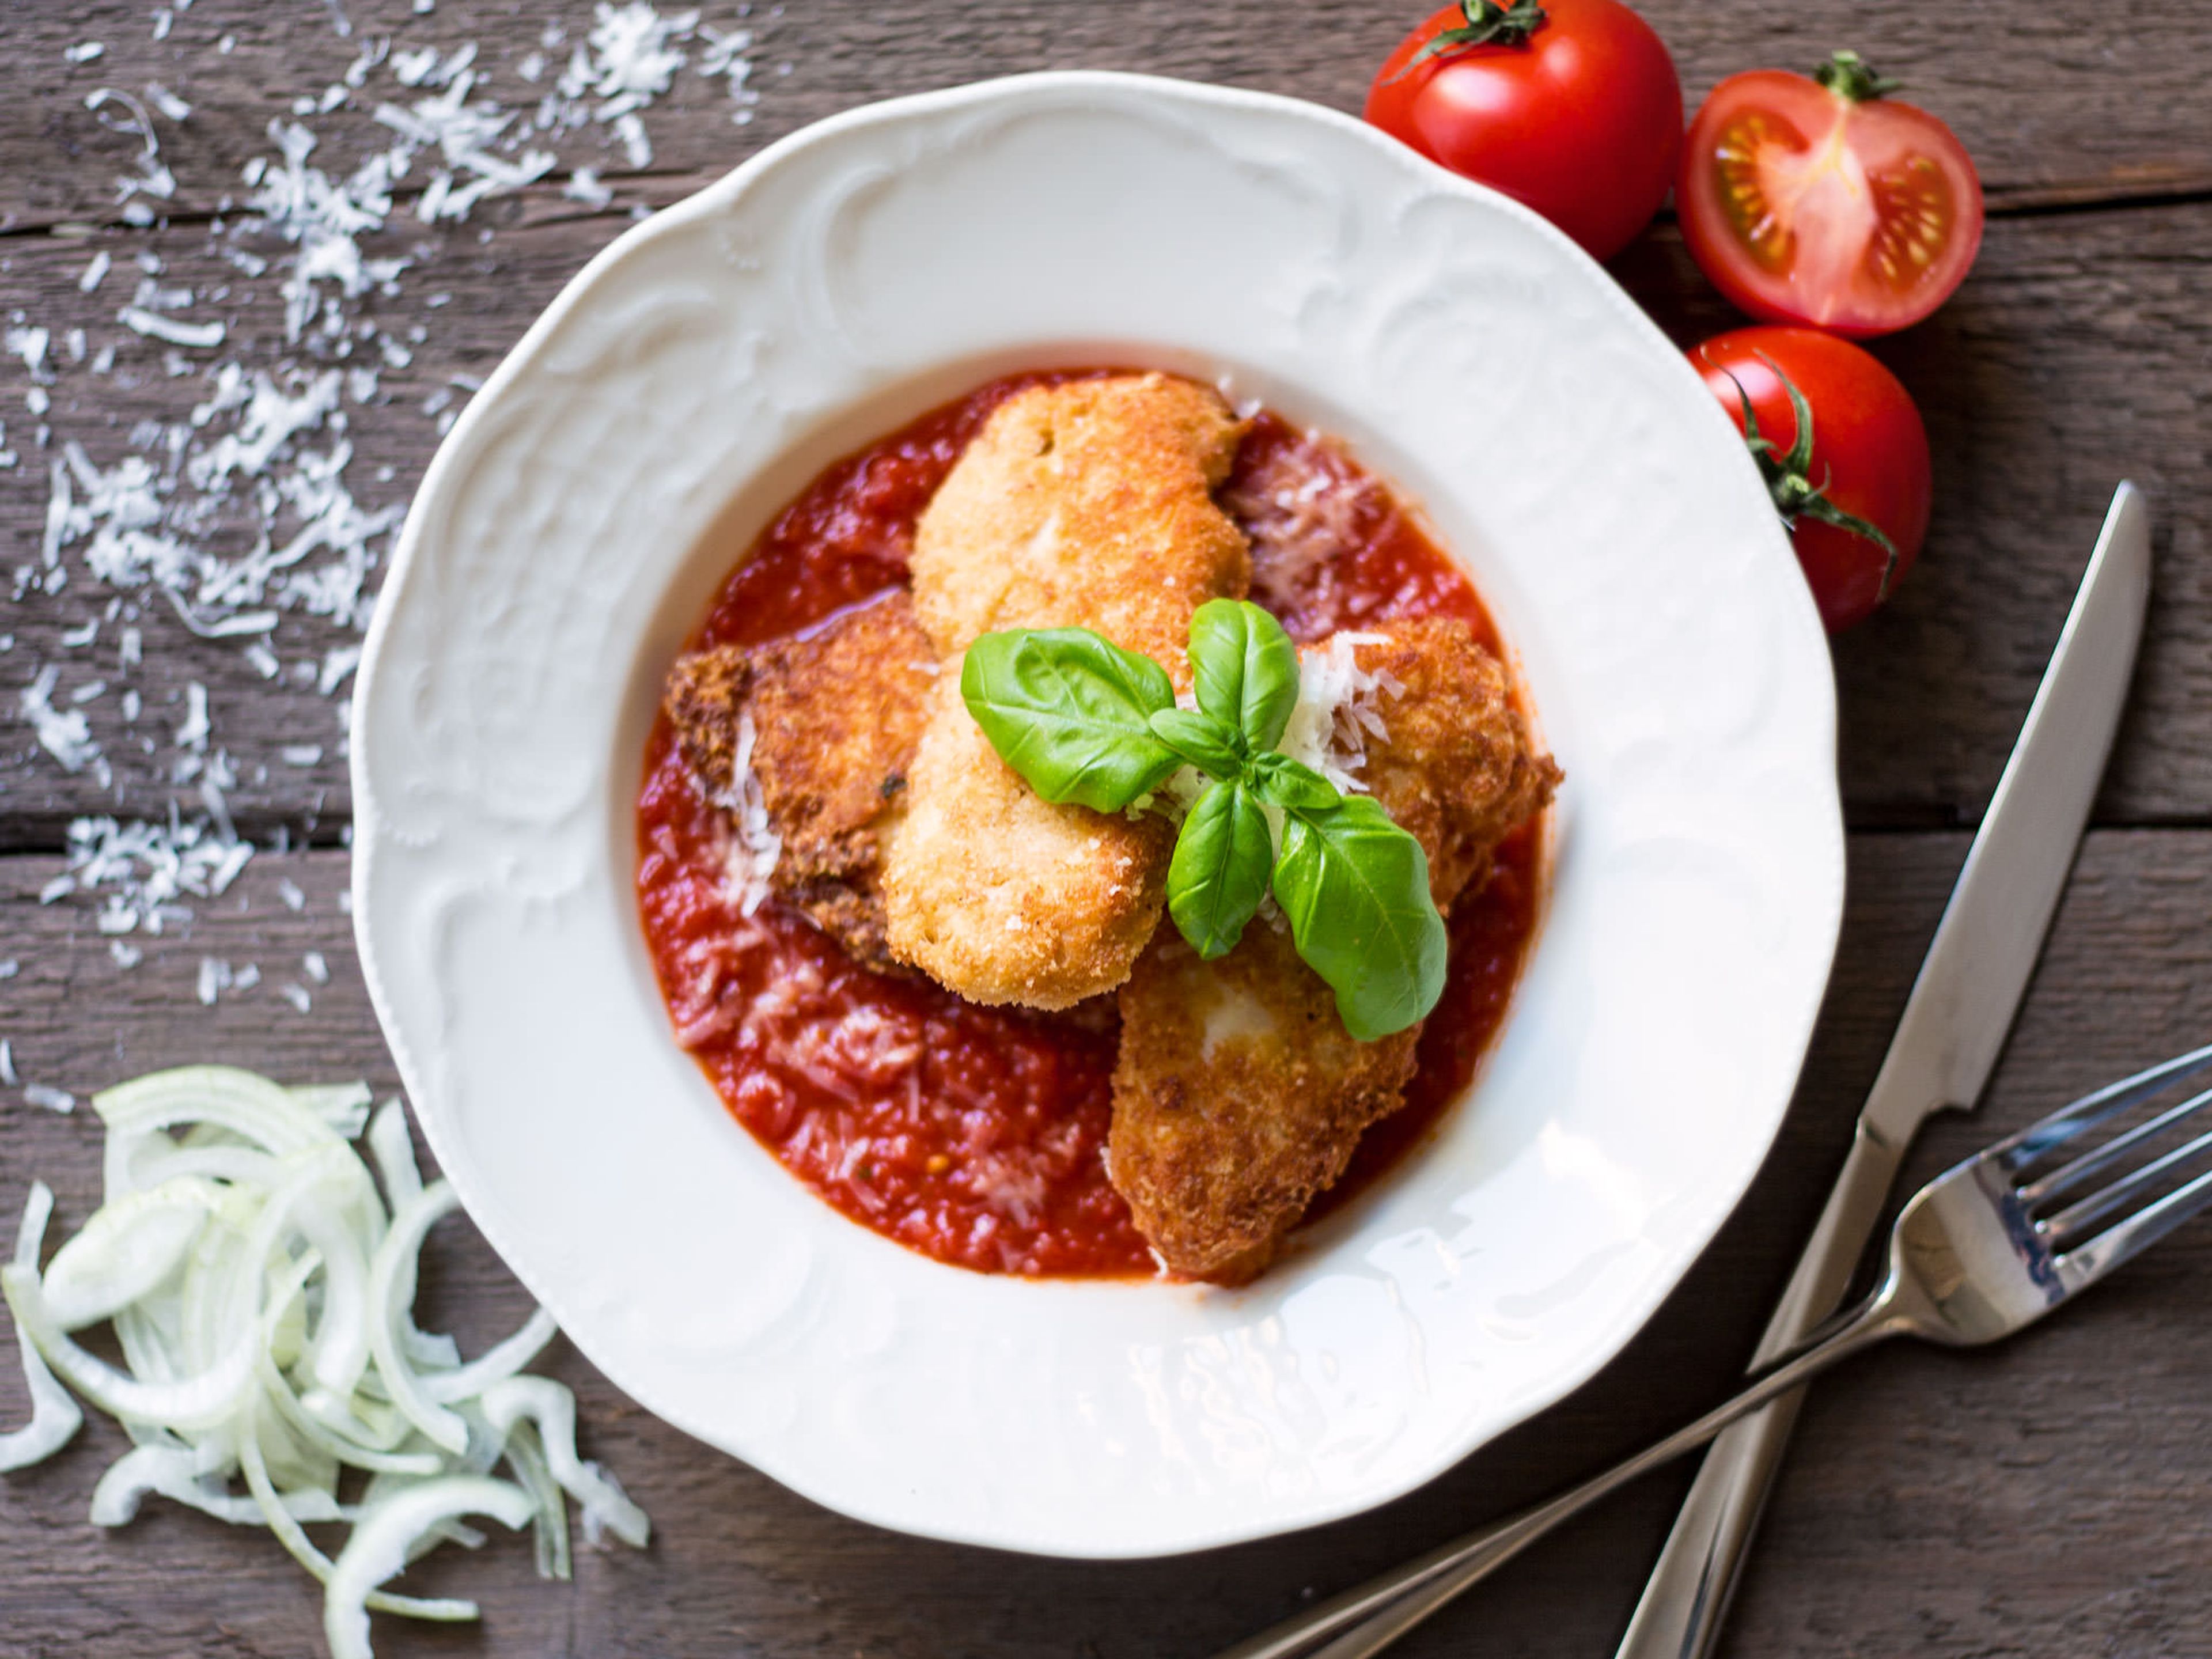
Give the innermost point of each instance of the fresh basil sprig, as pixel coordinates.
(1244, 670)
(1067, 709)
(1356, 889)
(1082, 720)
(1219, 871)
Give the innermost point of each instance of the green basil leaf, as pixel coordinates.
(1244, 669)
(1291, 785)
(1219, 871)
(1213, 747)
(1356, 889)
(1068, 709)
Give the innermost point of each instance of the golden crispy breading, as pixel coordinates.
(705, 692)
(1086, 505)
(837, 718)
(1456, 770)
(1006, 897)
(1238, 1095)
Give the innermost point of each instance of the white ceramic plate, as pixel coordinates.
(837, 284)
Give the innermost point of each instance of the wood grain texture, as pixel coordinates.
(2050, 1498)
(2070, 359)
(1925, 1511)
(2054, 107)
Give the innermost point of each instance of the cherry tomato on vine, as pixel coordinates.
(1572, 107)
(1843, 450)
(1820, 201)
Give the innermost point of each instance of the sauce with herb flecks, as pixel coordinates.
(975, 1135)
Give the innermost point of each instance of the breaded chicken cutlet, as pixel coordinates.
(1088, 504)
(1238, 1095)
(837, 715)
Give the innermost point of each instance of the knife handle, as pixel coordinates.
(1683, 1605)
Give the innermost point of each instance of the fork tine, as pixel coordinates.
(2089, 1163)
(2089, 1262)
(2016, 1153)
(2121, 1194)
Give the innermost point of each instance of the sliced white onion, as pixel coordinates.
(549, 1405)
(199, 1401)
(227, 1279)
(549, 1529)
(261, 1113)
(430, 1351)
(494, 1364)
(160, 1159)
(378, 1547)
(55, 1416)
(392, 1285)
(171, 1472)
(302, 1548)
(343, 1106)
(344, 1438)
(261, 1295)
(126, 1249)
(339, 1351)
(393, 1149)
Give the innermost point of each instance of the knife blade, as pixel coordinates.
(1945, 1044)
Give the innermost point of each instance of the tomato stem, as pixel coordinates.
(1850, 77)
(1789, 474)
(1488, 24)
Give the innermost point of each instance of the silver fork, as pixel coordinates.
(1982, 1251)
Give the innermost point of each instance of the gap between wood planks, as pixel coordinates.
(543, 203)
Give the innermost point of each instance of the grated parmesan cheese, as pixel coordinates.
(155, 327)
(64, 733)
(1336, 711)
(755, 847)
(143, 873)
(234, 508)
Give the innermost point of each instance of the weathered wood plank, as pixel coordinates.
(2064, 364)
(1895, 1531)
(2053, 110)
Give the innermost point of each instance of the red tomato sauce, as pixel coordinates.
(975, 1135)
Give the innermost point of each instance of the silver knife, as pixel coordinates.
(1952, 1029)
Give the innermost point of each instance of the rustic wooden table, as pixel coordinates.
(2078, 353)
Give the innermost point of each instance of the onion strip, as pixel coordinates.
(549, 1529)
(126, 1249)
(553, 1409)
(378, 1548)
(55, 1415)
(200, 1402)
(494, 1364)
(343, 1106)
(172, 1472)
(395, 1260)
(302, 1548)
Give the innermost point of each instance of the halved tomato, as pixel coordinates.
(1816, 200)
